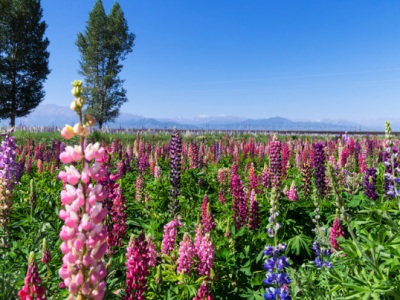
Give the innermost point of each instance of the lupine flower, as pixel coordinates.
(140, 187)
(253, 179)
(276, 278)
(137, 268)
(8, 170)
(157, 171)
(204, 292)
(205, 253)
(206, 215)
(336, 231)
(240, 209)
(322, 256)
(175, 151)
(83, 235)
(187, 252)
(292, 192)
(319, 164)
(266, 178)
(306, 173)
(152, 253)
(369, 183)
(254, 220)
(117, 217)
(46, 255)
(32, 288)
(275, 164)
(169, 237)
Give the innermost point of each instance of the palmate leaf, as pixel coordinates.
(299, 244)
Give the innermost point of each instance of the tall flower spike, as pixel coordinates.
(32, 288)
(175, 153)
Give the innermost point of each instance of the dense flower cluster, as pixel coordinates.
(169, 237)
(204, 292)
(291, 193)
(240, 208)
(205, 253)
(254, 218)
(319, 164)
(336, 231)
(137, 268)
(275, 164)
(175, 154)
(8, 173)
(187, 252)
(32, 289)
(276, 278)
(369, 183)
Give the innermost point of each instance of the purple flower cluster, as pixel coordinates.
(319, 164)
(322, 255)
(8, 165)
(369, 183)
(186, 253)
(276, 278)
(175, 154)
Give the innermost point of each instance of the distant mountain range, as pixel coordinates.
(54, 115)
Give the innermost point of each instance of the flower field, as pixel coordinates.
(179, 215)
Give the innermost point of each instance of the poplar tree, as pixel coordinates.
(24, 57)
(103, 46)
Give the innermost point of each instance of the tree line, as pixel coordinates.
(24, 59)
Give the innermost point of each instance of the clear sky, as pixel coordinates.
(299, 59)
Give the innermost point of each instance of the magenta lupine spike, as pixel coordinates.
(336, 231)
(204, 292)
(137, 268)
(266, 177)
(32, 289)
(187, 252)
(240, 208)
(170, 234)
(118, 217)
(193, 156)
(254, 220)
(152, 253)
(206, 255)
(275, 164)
(206, 215)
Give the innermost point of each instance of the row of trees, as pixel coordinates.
(24, 59)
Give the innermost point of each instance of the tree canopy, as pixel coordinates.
(103, 46)
(24, 57)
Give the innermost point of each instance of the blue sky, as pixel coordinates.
(300, 59)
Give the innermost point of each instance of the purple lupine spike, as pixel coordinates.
(170, 234)
(319, 164)
(187, 252)
(175, 152)
(369, 182)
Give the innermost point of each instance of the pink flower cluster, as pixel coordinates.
(138, 260)
(336, 231)
(83, 235)
(292, 193)
(186, 253)
(204, 292)
(169, 237)
(205, 252)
